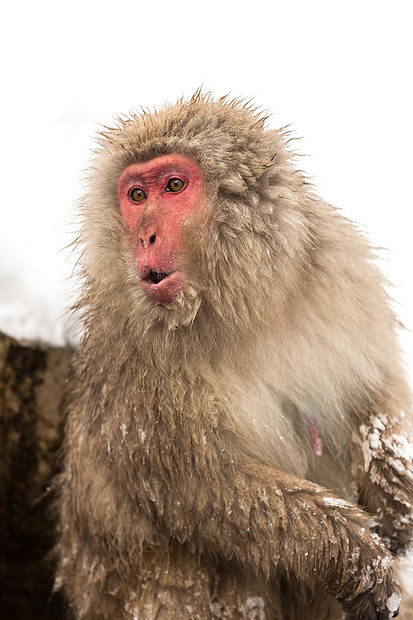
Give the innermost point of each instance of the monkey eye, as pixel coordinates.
(137, 194)
(175, 185)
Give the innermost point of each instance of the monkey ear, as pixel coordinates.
(267, 178)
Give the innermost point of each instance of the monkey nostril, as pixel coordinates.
(147, 240)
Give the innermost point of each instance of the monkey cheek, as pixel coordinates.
(165, 291)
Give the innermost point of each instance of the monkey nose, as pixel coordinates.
(147, 238)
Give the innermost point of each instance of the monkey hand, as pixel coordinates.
(380, 601)
(367, 609)
(327, 543)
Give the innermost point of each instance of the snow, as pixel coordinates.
(393, 602)
(255, 608)
(131, 611)
(141, 435)
(33, 304)
(335, 502)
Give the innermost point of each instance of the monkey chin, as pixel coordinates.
(162, 289)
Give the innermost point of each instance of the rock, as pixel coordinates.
(32, 379)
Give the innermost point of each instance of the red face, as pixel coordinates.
(156, 199)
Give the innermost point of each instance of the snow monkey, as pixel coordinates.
(237, 414)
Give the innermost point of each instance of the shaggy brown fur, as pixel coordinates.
(191, 487)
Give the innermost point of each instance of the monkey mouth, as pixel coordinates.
(155, 277)
(161, 286)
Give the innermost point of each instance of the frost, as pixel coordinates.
(375, 444)
(133, 613)
(393, 602)
(254, 601)
(406, 521)
(366, 580)
(336, 502)
(373, 574)
(114, 591)
(149, 491)
(374, 440)
(216, 609)
(397, 465)
(378, 423)
(141, 435)
(399, 446)
(254, 607)
(58, 583)
(386, 563)
(124, 431)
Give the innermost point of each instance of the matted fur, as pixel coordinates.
(190, 484)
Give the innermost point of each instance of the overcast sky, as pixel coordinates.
(340, 72)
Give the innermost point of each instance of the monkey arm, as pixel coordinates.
(265, 519)
(384, 458)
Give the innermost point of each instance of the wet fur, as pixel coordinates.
(190, 483)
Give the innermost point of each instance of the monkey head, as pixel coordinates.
(186, 223)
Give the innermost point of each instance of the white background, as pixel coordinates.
(340, 72)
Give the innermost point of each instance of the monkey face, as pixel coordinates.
(157, 199)
(179, 223)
